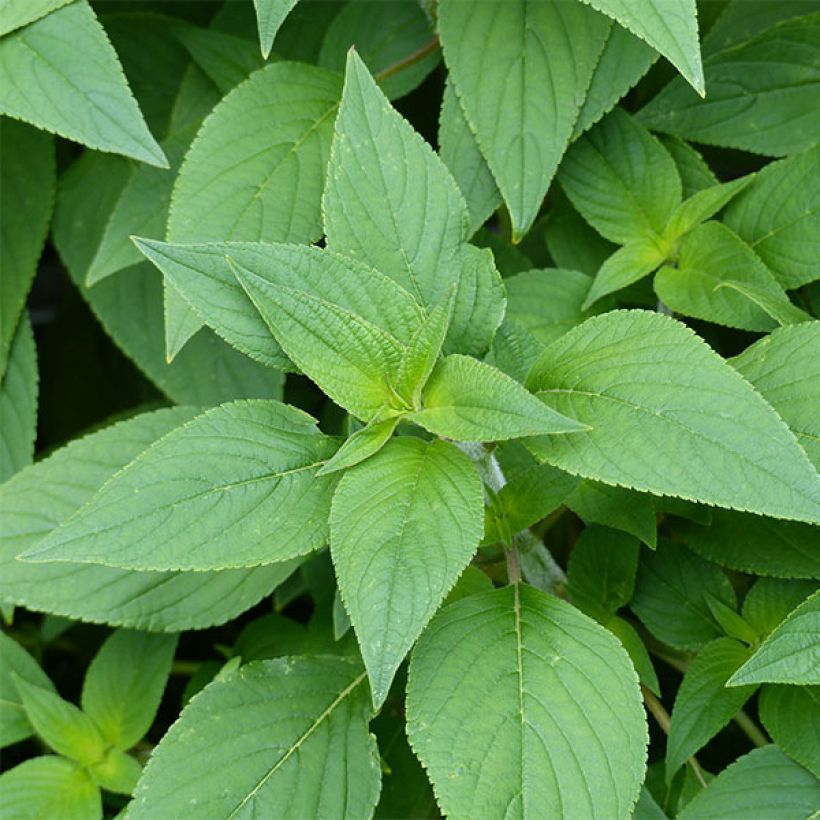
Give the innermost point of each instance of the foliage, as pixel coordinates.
(416, 408)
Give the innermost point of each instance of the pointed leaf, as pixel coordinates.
(216, 487)
(791, 715)
(289, 737)
(270, 14)
(117, 772)
(361, 445)
(395, 562)
(695, 174)
(629, 264)
(774, 304)
(702, 206)
(61, 74)
(616, 507)
(770, 600)
(518, 753)
(625, 365)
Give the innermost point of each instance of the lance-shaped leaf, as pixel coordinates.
(616, 507)
(61, 74)
(670, 27)
(403, 526)
(46, 494)
(702, 206)
(544, 55)
(791, 715)
(362, 444)
(270, 14)
(655, 396)
(234, 487)
(704, 705)
(289, 737)
(564, 731)
(774, 304)
(468, 400)
(621, 179)
(791, 653)
(626, 266)
(391, 202)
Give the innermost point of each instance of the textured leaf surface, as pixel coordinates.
(61, 74)
(361, 445)
(563, 732)
(468, 400)
(703, 205)
(395, 561)
(791, 653)
(763, 783)
(289, 737)
(124, 684)
(695, 174)
(270, 14)
(49, 786)
(704, 705)
(544, 56)
(626, 266)
(655, 394)
(19, 13)
(761, 97)
(770, 600)
(791, 715)
(616, 507)
(621, 179)
(234, 487)
(670, 27)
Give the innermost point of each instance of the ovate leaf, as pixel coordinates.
(124, 684)
(770, 600)
(616, 507)
(270, 14)
(289, 737)
(362, 444)
(702, 205)
(790, 654)
(61, 74)
(216, 489)
(518, 753)
(544, 55)
(468, 400)
(695, 174)
(19, 13)
(626, 266)
(625, 365)
(791, 715)
(395, 562)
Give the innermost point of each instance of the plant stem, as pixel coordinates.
(411, 59)
(751, 729)
(184, 667)
(513, 567)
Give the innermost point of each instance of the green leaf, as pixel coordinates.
(394, 41)
(760, 97)
(288, 737)
(625, 365)
(776, 305)
(615, 507)
(391, 203)
(117, 772)
(468, 400)
(754, 544)
(60, 723)
(702, 206)
(779, 216)
(459, 151)
(638, 654)
(15, 661)
(670, 28)
(763, 783)
(544, 56)
(711, 256)
(770, 600)
(44, 495)
(791, 715)
(601, 571)
(626, 266)
(518, 751)
(671, 592)
(621, 179)
(228, 471)
(61, 74)
(703, 705)
(124, 684)
(27, 182)
(19, 13)
(790, 654)
(18, 402)
(731, 623)
(395, 562)
(270, 14)
(49, 786)
(695, 174)
(361, 445)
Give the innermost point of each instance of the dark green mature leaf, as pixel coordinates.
(44, 495)
(790, 654)
(626, 633)
(61, 74)
(27, 181)
(791, 715)
(288, 737)
(469, 400)
(670, 28)
(695, 174)
(770, 600)
(626, 365)
(704, 705)
(544, 56)
(763, 783)
(560, 684)
(15, 662)
(124, 684)
(762, 94)
(270, 14)
(49, 786)
(391, 203)
(671, 596)
(234, 487)
(616, 507)
(395, 561)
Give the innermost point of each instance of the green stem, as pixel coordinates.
(513, 567)
(751, 729)
(411, 59)
(185, 667)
